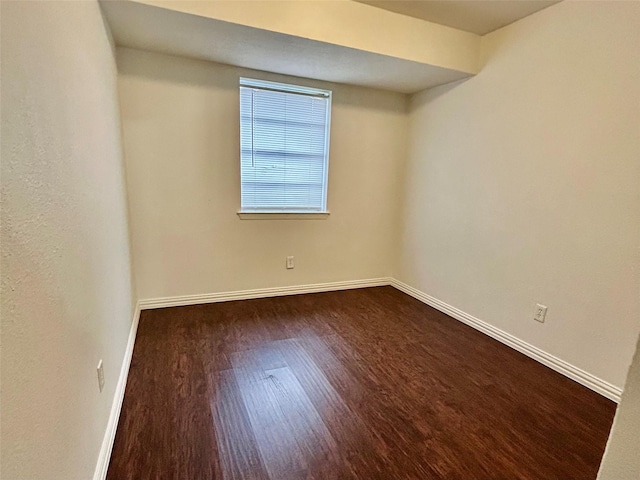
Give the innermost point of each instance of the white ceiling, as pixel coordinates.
(476, 16)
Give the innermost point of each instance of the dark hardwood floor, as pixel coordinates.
(368, 384)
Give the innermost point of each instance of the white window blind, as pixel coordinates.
(284, 142)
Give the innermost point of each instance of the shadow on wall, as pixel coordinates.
(420, 99)
(190, 71)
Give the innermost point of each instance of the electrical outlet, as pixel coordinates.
(541, 312)
(290, 263)
(100, 375)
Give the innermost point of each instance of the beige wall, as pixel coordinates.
(523, 185)
(621, 460)
(181, 138)
(66, 288)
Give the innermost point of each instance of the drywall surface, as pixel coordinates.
(66, 279)
(173, 32)
(181, 139)
(621, 460)
(349, 24)
(523, 185)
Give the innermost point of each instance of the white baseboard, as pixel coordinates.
(584, 378)
(260, 293)
(110, 433)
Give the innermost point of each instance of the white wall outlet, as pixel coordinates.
(541, 312)
(100, 375)
(290, 263)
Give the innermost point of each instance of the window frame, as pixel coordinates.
(288, 212)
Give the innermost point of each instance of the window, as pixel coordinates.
(284, 147)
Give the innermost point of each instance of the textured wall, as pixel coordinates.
(181, 139)
(66, 278)
(523, 185)
(621, 459)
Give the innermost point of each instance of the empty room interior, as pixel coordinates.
(320, 239)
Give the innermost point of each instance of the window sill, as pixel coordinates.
(283, 215)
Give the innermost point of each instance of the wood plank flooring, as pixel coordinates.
(358, 384)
